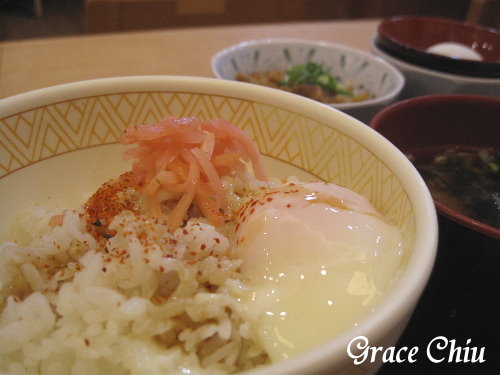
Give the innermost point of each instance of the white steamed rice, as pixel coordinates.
(149, 302)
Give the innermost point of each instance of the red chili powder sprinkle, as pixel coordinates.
(157, 300)
(105, 204)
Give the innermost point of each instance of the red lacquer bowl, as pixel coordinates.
(428, 122)
(409, 37)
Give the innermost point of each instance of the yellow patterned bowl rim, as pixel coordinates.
(317, 138)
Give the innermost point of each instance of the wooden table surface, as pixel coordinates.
(33, 64)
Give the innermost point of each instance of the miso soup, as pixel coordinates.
(463, 179)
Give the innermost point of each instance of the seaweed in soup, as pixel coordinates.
(464, 180)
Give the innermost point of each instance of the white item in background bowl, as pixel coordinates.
(60, 142)
(351, 66)
(423, 81)
(455, 51)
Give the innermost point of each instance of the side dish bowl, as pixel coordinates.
(61, 143)
(429, 124)
(425, 81)
(442, 44)
(361, 70)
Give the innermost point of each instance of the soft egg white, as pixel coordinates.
(455, 51)
(318, 257)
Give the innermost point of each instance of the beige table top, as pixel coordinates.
(33, 64)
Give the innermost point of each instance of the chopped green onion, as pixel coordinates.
(313, 74)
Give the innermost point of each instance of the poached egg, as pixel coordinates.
(318, 257)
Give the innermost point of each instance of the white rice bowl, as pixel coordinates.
(105, 319)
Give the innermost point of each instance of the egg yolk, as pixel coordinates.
(318, 257)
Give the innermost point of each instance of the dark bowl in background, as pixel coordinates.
(409, 37)
(461, 301)
(426, 121)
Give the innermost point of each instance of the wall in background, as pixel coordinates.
(18, 19)
(117, 15)
(74, 17)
